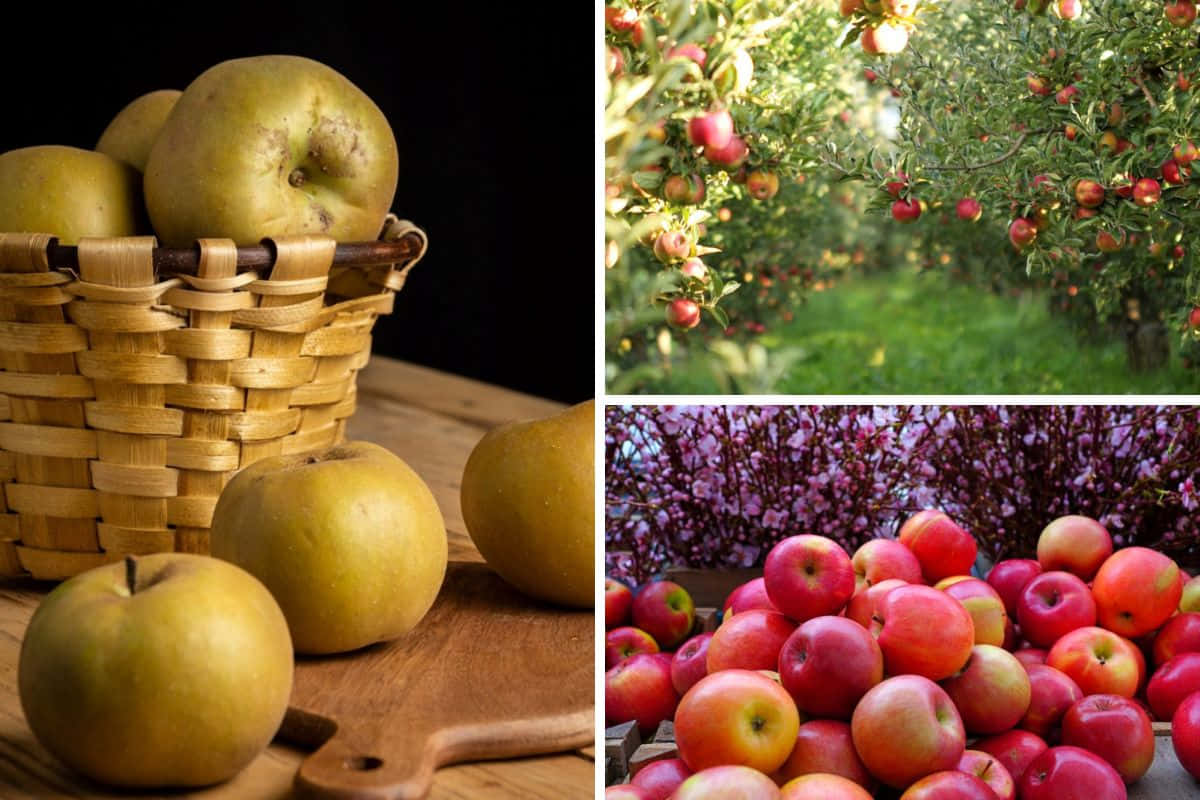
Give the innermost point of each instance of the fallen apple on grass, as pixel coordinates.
(166, 670)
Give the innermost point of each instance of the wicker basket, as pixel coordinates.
(135, 380)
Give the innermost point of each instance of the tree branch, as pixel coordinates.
(992, 162)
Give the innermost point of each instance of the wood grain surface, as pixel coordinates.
(432, 421)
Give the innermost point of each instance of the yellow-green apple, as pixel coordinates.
(625, 791)
(1031, 655)
(863, 607)
(664, 609)
(881, 559)
(940, 545)
(165, 670)
(736, 716)
(69, 193)
(1088, 194)
(923, 632)
(751, 594)
(750, 640)
(825, 746)
(133, 130)
(618, 603)
(1114, 728)
(808, 576)
(711, 129)
(1181, 634)
(1070, 773)
(349, 540)
(820, 786)
(1172, 683)
(949, 785)
(1053, 604)
(984, 605)
(727, 782)
(270, 146)
(906, 728)
(828, 664)
(1052, 692)
(1009, 577)
(1014, 750)
(528, 500)
(661, 778)
(988, 769)
(1189, 596)
(1100, 661)
(1074, 543)
(991, 691)
(640, 689)
(690, 662)
(1185, 734)
(624, 642)
(1136, 590)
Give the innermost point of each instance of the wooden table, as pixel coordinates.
(431, 420)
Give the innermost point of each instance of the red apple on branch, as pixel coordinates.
(1146, 192)
(1089, 194)
(906, 211)
(884, 39)
(1070, 773)
(711, 129)
(683, 314)
(1022, 232)
(969, 209)
(731, 156)
(1180, 13)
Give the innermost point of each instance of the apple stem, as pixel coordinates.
(131, 573)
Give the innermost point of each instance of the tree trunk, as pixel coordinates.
(1146, 346)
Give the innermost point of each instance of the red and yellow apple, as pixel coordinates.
(878, 560)
(640, 689)
(1053, 604)
(1136, 590)
(1172, 683)
(690, 662)
(940, 545)
(1052, 692)
(750, 640)
(864, 605)
(988, 769)
(727, 782)
(906, 728)
(828, 664)
(751, 594)
(991, 691)
(983, 603)
(1099, 661)
(664, 609)
(821, 786)
(1185, 734)
(661, 778)
(923, 632)
(1075, 543)
(825, 746)
(949, 784)
(1014, 749)
(624, 642)
(618, 604)
(1070, 773)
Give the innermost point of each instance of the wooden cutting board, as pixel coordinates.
(487, 674)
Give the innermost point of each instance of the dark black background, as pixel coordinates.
(493, 111)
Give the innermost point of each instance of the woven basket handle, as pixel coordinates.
(395, 230)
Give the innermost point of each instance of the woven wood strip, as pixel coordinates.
(336, 340)
(206, 301)
(10, 527)
(69, 502)
(132, 368)
(203, 455)
(28, 337)
(32, 385)
(133, 295)
(56, 565)
(135, 541)
(210, 397)
(196, 512)
(8, 470)
(50, 533)
(135, 480)
(36, 296)
(263, 426)
(48, 440)
(299, 286)
(148, 421)
(8, 279)
(312, 394)
(311, 440)
(221, 345)
(273, 316)
(226, 281)
(120, 318)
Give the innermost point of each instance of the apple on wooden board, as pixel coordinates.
(1114, 728)
(1185, 734)
(736, 716)
(727, 782)
(825, 746)
(270, 146)
(750, 640)
(133, 130)
(349, 540)
(618, 603)
(690, 662)
(664, 609)
(166, 670)
(640, 689)
(621, 643)
(906, 728)
(819, 785)
(69, 193)
(1070, 773)
(528, 500)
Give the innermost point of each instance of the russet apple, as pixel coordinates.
(819, 786)
(727, 782)
(69, 193)
(269, 146)
(1053, 604)
(988, 769)
(661, 778)
(808, 576)
(621, 643)
(1172, 683)
(528, 501)
(825, 746)
(1114, 728)
(991, 691)
(166, 670)
(1070, 773)
(923, 632)
(736, 716)
(640, 689)
(1009, 577)
(750, 640)
(133, 130)
(1052, 692)
(349, 540)
(1075, 543)
(1099, 661)
(690, 662)
(828, 664)
(1136, 590)
(878, 560)
(906, 728)
(940, 545)
(664, 609)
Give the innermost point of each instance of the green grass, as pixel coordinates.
(909, 333)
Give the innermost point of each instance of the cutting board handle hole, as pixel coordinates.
(362, 763)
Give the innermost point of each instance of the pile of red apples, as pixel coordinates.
(835, 676)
